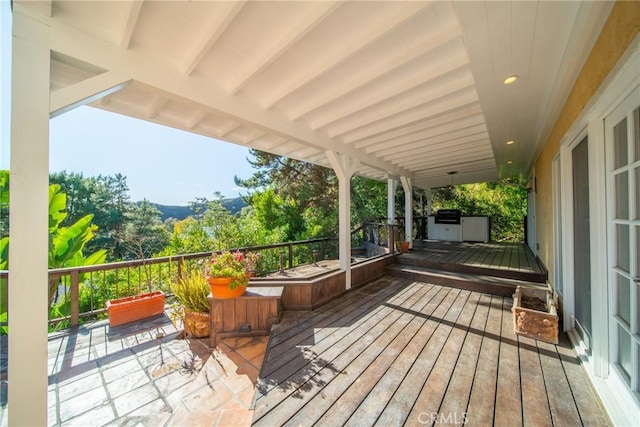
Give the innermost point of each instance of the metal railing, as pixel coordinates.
(81, 292)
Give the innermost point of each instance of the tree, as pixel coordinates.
(66, 244)
(505, 202)
(144, 235)
(301, 198)
(106, 197)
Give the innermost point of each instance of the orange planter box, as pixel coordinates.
(129, 309)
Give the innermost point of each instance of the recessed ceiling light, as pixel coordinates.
(511, 142)
(509, 162)
(511, 79)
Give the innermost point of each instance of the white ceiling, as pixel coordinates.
(407, 88)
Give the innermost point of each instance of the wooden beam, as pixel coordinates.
(349, 84)
(86, 91)
(130, 21)
(429, 122)
(339, 54)
(199, 91)
(449, 102)
(226, 13)
(445, 77)
(287, 38)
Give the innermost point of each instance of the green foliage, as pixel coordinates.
(106, 197)
(229, 265)
(66, 244)
(191, 290)
(4, 203)
(300, 200)
(503, 202)
(144, 234)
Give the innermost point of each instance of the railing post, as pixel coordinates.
(281, 262)
(75, 298)
(180, 262)
(290, 255)
(322, 249)
(392, 243)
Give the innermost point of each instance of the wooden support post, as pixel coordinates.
(75, 298)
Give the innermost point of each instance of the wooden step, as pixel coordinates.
(473, 282)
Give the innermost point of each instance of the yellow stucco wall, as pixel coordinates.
(622, 26)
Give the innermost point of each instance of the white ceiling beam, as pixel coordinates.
(34, 8)
(450, 102)
(199, 91)
(225, 14)
(351, 83)
(340, 53)
(130, 21)
(302, 153)
(86, 91)
(287, 38)
(258, 133)
(453, 157)
(443, 179)
(197, 118)
(395, 109)
(444, 153)
(384, 100)
(429, 147)
(446, 117)
(458, 133)
(230, 127)
(457, 167)
(431, 132)
(156, 106)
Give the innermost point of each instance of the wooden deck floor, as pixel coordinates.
(513, 260)
(398, 352)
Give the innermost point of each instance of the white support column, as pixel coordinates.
(392, 184)
(429, 201)
(28, 290)
(408, 209)
(344, 167)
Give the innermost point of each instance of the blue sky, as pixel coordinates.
(162, 164)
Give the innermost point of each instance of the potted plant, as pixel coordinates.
(191, 291)
(228, 274)
(129, 309)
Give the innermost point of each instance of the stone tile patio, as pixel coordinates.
(141, 375)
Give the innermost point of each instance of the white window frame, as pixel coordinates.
(621, 405)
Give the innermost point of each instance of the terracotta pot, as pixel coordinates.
(404, 247)
(197, 325)
(129, 309)
(220, 288)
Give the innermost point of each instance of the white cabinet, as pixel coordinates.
(470, 229)
(452, 232)
(475, 229)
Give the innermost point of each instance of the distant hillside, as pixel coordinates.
(234, 206)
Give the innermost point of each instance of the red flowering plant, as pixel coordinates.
(234, 265)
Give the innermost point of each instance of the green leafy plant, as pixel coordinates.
(231, 265)
(191, 291)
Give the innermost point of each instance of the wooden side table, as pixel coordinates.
(252, 314)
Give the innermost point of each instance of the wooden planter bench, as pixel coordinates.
(252, 314)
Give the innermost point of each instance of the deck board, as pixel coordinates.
(482, 399)
(418, 354)
(508, 410)
(506, 258)
(458, 392)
